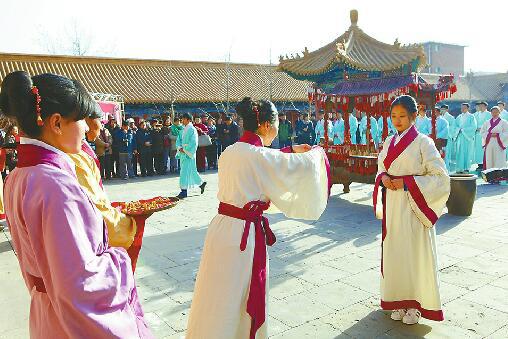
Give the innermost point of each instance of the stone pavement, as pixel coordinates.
(324, 275)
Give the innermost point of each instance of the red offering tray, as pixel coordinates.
(146, 207)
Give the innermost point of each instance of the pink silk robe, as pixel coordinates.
(60, 236)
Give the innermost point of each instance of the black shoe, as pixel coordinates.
(182, 195)
(202, 186)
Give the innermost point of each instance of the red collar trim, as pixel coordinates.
(251, 138)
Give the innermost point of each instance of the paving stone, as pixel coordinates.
(183, 272)
(501, 333)
(484, 265)
(429, 329)
(501, 282)
(354, 263)
(286, 285)
(297, 310)
(459, 251)
(368, 281)
(490, 296)
(176, 316)
(464, 277)
(337, 295)
(360, 321)
(473, 317)
(311, 330)
(158, 327)
(19, 333)
(275, 326)
(451, 292)
(320, 274)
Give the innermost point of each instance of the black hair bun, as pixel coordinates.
(16, 96)
(254, 113)
(245, 108)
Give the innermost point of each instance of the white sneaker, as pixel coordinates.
(398, 315)
(412, 317)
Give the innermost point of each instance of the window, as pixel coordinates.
(436, 48)
(438, 69)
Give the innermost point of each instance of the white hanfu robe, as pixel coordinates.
(409, 260)
(481, 117)
(494, 146)
(296, 184)
(79, 286)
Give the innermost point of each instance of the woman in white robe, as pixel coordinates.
(415, 190)
(232, 283)
(495, 140)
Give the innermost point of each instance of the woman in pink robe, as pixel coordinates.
(79, 286)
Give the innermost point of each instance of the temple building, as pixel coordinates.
(153, 87)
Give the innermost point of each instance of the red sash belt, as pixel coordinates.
(252, 213)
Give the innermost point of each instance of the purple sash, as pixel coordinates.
(493, 125)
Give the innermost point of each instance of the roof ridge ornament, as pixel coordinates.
(353, 15)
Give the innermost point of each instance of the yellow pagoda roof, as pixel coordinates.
(356, 49)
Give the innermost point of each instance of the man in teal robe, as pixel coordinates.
(450, 154)
(187, 146)
(363, 129)
(481, 115)
(380, 126)
(465, 129)
(338, 131)
(353, 126)
(320, 128)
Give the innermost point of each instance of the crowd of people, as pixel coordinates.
(469, 139)
(141, 148)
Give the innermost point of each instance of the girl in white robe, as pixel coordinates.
(230, 295)
(495, 140)
(415, 190)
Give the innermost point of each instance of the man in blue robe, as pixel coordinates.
(465, 129)
(187, 146)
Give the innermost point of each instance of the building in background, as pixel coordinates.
(444, 58)
(159, 87)
(156, 87)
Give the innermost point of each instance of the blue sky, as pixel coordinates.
(249, 30)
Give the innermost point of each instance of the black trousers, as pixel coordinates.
(146, 163)
(158, 160)
(114, 163)
(105, 162)
(211, 155)
(135, 161)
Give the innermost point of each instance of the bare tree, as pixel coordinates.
(77, 41)
(174, 91)
(225, 83)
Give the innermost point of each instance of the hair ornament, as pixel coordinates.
(256, 110)
(35, 91)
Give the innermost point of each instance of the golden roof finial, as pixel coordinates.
(353, 14)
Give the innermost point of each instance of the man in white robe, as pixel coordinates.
(481, 115)
(495, 140)
(503, 115)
